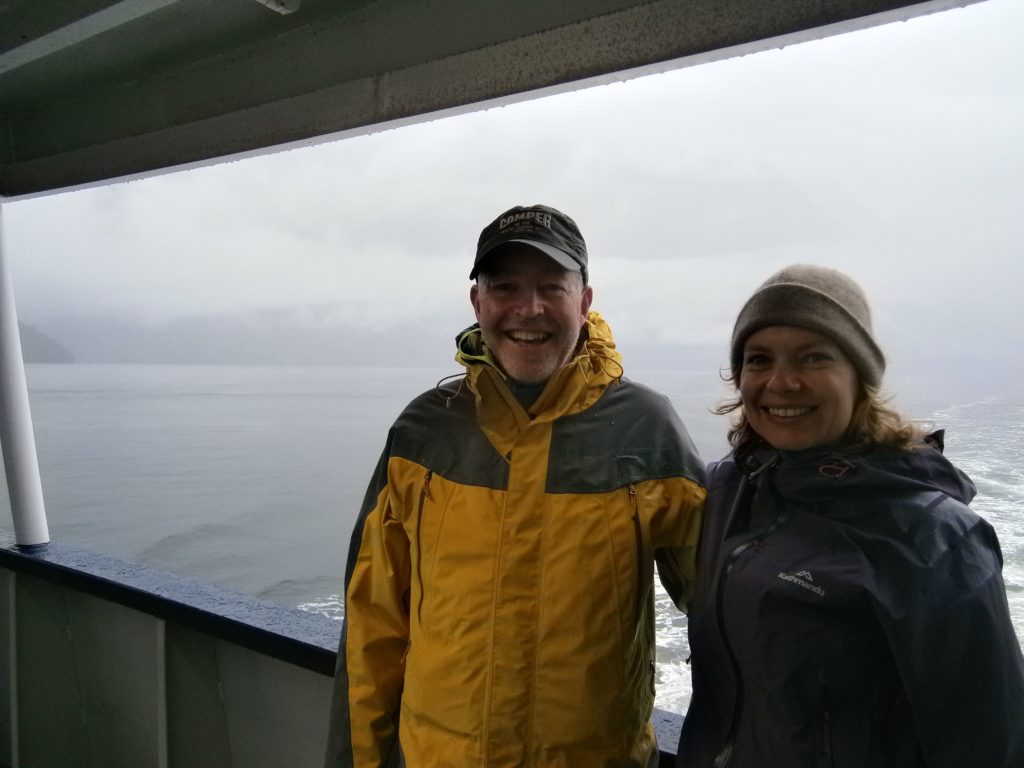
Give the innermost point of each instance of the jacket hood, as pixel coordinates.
(573, 388)
(817, 474)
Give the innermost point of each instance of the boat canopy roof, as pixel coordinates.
(97, 90)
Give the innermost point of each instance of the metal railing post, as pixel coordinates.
(16, 436)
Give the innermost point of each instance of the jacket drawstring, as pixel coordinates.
(448, 398)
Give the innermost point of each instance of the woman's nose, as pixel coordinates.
(783, 379)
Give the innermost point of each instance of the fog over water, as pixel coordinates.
(893, 153)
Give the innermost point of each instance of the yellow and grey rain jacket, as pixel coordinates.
(499, 587)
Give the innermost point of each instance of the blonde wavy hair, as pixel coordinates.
(872, 424)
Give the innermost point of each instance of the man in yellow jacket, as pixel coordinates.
(499, 587)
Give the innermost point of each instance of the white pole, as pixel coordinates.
(16, 435)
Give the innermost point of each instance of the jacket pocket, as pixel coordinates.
(826, 758)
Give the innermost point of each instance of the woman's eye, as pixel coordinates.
(816, 358)
(756, 359)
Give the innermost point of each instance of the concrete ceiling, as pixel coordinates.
(92, 90)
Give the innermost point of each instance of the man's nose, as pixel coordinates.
(529, 302)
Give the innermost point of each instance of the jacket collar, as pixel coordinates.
(817, 473)
(573, 388)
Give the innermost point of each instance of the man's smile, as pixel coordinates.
(528, 337)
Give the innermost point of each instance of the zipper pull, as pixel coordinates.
(774, 461)
(426, 484)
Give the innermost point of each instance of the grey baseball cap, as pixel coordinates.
(547, 229)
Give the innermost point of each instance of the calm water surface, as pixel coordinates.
(251, 478)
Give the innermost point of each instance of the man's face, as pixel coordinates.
(530, 312)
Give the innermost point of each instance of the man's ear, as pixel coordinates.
(586, 299)
(474, 299)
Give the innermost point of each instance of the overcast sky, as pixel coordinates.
(895, 153)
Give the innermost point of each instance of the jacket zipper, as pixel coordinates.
(424, 495)
(722, 758)
(638, 534)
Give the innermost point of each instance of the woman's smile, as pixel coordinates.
(798, 387)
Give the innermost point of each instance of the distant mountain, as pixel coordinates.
(280, 339)
(250, 340)
(37, 347)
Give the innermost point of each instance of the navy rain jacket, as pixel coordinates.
(850, 612)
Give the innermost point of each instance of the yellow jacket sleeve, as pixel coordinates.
(363, 731)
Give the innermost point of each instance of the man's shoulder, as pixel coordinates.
(642, 393)
(448, 397)
(634, 400)
(438, 431)
(631, 434)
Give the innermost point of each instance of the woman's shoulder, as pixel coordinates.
(924, 524)
(915, 500)
(934, 519)
(917, 487)
(724, 471)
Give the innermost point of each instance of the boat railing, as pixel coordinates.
(109, 663)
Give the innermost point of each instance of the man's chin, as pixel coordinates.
(525, 368)
(530, 378)
(529, 375)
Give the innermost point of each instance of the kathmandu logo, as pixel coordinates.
(805, 580)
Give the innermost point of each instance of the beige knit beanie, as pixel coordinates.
(819, 299)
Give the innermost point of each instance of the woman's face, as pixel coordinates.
(798, 387)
